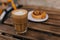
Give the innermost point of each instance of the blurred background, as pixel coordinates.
(46, 3)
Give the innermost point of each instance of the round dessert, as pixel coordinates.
(37, 14)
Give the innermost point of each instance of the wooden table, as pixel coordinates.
(48, 30)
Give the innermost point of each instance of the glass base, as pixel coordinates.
(21, 32)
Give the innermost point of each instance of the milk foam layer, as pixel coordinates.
(19, 12)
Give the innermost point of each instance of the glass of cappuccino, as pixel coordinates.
(19, 19)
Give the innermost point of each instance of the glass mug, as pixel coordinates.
(19, 19)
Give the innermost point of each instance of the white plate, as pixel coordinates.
(36, 20)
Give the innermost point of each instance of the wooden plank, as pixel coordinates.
(53, 13)
(53, 22)
(41, 36)
(53, 16)
(2, 37)
(30, 33)
(11, 31)
(44, 27)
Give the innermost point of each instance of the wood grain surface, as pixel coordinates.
(2, 37)
(31, 34)
(48, 30)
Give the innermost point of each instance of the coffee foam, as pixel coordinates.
(19, 12)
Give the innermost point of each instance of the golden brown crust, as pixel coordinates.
(37, 14)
